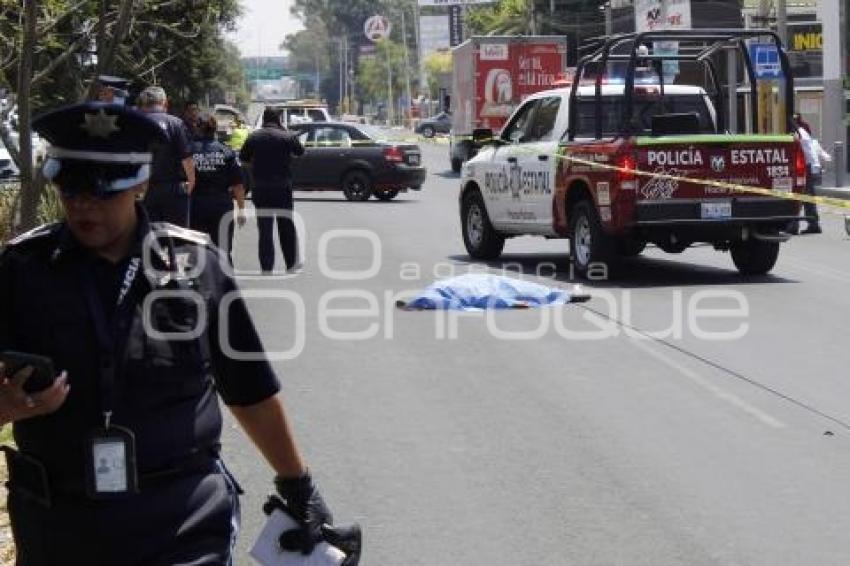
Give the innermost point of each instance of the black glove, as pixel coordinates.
(306, 506)
(347, 539)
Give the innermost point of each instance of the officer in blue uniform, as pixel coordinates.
(118, 460)
(172, 176)
(218, 183)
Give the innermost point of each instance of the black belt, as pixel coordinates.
(28, 476)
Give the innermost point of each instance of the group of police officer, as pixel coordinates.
(118, 453)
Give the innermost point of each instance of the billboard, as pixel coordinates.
(434, 33)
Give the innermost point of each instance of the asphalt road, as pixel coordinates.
(556, 436)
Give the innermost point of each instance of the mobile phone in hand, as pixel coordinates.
(43, 374)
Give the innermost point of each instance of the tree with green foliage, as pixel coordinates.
(507, 17)
(381, 77)
(51, 50)
(436, 65)
(343, 22)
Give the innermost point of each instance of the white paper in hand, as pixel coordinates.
(267, 552)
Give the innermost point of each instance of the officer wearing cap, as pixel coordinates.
(112, 90)
(118, 460)
(172, 177)
(219, 184)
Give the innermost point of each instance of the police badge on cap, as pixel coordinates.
(102, 148)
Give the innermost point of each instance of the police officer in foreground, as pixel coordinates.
(218, 184)
(119, 457)
(172, 176)
(268, 154)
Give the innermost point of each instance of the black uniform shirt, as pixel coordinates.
(165, 389)
(270, 150)
(216, 168)
(167, 164)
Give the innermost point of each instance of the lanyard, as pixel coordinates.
(109, 336)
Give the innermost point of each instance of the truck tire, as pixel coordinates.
(386, 195)
(589, 244)
(755, 257)
(357, 186)
(457, 164)
(480, 238)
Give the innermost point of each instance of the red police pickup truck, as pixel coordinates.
(616, 164)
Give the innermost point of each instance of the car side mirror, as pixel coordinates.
(482, 136)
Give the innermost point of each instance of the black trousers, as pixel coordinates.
(274, 204)
(208, 212)
(189, 521)
(166, 202)
(810, 208)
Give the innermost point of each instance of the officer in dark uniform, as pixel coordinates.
(218, 177)
(112, 90)
(268, 154)
(172, 177)
(119, 459)
(192, 119)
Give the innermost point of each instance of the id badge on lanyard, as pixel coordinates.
(111, 470)
(111, 463)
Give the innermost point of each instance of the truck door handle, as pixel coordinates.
(543, 157)
(511, 159)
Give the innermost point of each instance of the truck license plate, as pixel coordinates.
(783, 184)
(413, 159)
(714, 210)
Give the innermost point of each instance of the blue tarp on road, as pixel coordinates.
(482, 291)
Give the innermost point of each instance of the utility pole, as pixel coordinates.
(782, 21)
(390, 103)
(420, 55)
(609, 19)
(833, 137)
(341, 77)
(406, 66)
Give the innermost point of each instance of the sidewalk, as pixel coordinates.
(834, 192)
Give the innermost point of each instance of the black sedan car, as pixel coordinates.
(356, 160)
(439, 124)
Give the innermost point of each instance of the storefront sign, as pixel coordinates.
(805, 37)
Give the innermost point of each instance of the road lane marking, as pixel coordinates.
(715, 390)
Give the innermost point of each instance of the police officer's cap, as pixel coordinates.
(97, 147)
(113, 82)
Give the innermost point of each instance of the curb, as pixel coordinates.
(834, 192)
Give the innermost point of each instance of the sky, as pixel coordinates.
(263, 27)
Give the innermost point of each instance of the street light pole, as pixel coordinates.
(389, 85)
(406, 66)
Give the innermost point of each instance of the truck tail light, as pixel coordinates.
(800, 166)
(394, 154)
(627, 165)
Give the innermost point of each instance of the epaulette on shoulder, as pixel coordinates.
(35, 235)
(181, 233)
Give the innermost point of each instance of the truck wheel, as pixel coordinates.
(627, 247)
(357, 186)
(589, 244)
(386, 195)
(755, 257)
(456, 164)
(480, 238)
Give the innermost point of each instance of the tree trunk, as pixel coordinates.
(106, 52)
(30, 192)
